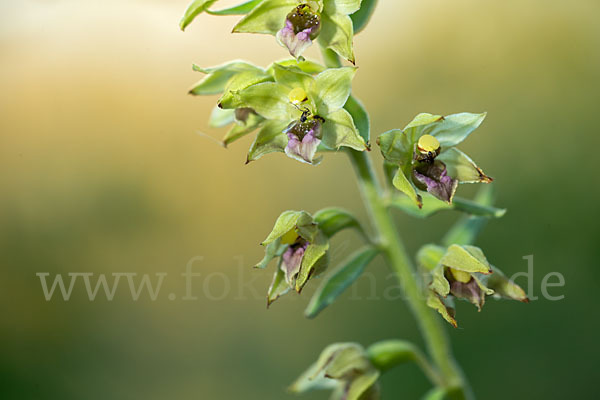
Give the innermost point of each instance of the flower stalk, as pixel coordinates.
(396, 255)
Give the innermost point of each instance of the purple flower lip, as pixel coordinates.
(292, 260)
(434, 178)
(301, 27)
(304, 137)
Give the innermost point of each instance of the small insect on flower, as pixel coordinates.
(428, 149)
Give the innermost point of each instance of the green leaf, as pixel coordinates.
(466, 258)
(273, 250)
(333, 220)
(435, 394)
(361, 385)
(218, 77)
(461, 167)
(504, 287)
(332, 89)
(360, 117)
(339, 130)
(387, 354)
(361, 18)
(240, 9)
(455, 128)
(314, 253)
(432, 205)
(269, 100)
(286, 222)
(466, 229)
(278, 287)
(336, 34)
(340, 280)
(429, 256)
(195, 8)
(270, 139)
(402, 183)
(268, 17)
(220, 118)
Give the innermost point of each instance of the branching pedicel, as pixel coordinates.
(301, 108)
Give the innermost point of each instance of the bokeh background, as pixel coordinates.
(107, 166)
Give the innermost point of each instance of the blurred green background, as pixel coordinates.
(107, 166)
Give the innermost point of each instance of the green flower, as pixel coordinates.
(295, 106)
(345, 369)
(302, 113)
(301, 249)
(296, 23)
(463, 272)
(426, 158)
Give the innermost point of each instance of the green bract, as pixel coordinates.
(345, 369)
(436, 171)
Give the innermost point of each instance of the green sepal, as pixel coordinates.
(429, 256)
(310, 67)
(439, 283)
(333, 220)
(341, 6)
(504, 287)
(241, 129)
(462, 168)
(339, 130)
(292, 77)
(218, 77)
(193, 10)
(335, 284)
(220, 118)
(432, 205)
(360, 116)
(240, 9)
(455, 128)
(273, 250)
(361, 18)
(466, 258)
(388, 354)
(447, 312)
(278, 286)
(268, 17)
(315, 259)
(270, 100)
(337, 34)
(332, 89)
(270, 139)
(238, 83)
(299, 221)
(406, 186)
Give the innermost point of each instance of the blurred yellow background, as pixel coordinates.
(107, 166)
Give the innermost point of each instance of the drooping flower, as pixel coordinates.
(303, 113)
(463, 272)
(344, 368)
(301, 248)
(426, 158)
(297, 107)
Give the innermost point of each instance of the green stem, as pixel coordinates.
(397, 257)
